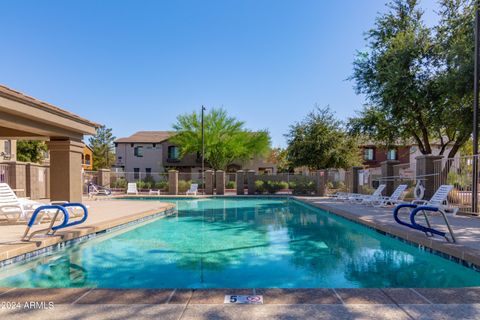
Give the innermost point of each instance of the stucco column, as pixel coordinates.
(355, 180)
(251, 181)
(320, 181)
(208, 182)
(65, 170)
(425, 172)
(173, 182)
(388, 174)
(220, 182)
(103, 178)
(240, 182)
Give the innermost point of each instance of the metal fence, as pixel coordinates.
(4, 173)
(459, 173)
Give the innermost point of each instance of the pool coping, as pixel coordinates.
(22, 251)
(456, 252)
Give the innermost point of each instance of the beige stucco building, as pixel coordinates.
(151, 151)
(24, 117)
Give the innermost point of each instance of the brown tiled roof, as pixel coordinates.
(16, 95)
(147, 137)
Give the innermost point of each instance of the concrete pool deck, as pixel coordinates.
(103, 215)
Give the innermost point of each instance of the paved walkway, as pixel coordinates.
(103, 214)
(466, 229)
(177, 304)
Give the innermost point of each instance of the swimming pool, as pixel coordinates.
(241, 243)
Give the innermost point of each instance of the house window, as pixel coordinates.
(148, 172)
(368, 154)
(87, 159)
(173, 153)
(392, 154)
(136, 173)
(8, 147)
(138, 151)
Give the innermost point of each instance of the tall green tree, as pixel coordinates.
(279, 157)
(417, 80)
(103, 148)
(31, 150)
(226, 139)
(320, 141)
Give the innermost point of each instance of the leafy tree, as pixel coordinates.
(319, 141)
(102, 146)
(278, 156)
(417, 80)
(226, 139)
(31, 150)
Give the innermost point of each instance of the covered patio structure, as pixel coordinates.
(26, 118)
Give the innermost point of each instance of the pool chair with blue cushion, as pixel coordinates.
(394, 199)
(368, 198)
(438, 204)
(193, 189)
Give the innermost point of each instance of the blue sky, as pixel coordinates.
(135, 65)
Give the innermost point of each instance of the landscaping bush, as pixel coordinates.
(140, 184)
(273, 187)
(161, 185)
(259, 187)
(330, 185)
(120, 183)
(184, 185)
(304, 187)
(230, 185)
(292, 184)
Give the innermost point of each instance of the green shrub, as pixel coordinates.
(230, 185)
(259, 186)
(140, 184)
(273, 187)
(147, 185)
(184, 185)
(330, 185)
(304, 187)
(161, 185)
(292, 184)
(120, 183)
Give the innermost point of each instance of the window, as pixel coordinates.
(7, 147)
(368, 154)
(392, 154)
(148, 172)
(136, 173)
(87, 159)
(173, 153)
(138, 151)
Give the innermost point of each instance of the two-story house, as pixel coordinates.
(151, 151)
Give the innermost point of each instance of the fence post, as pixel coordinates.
(355, 181)
(173, 182)
(426, 172)
(240, 182)
(251, 181)
(220, 181)
(320, 179)
(387, 175)
(103, 178)
(209, 182)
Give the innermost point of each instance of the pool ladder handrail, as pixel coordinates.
(428, 230)
(51, 228)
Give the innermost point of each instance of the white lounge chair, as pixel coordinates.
(96, 190)
(368, 198)
(154, 192)
(15, 210)
(193, 189)
(132, 188)
(439, 199)
(394, 199)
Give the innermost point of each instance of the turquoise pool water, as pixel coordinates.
(219, 243)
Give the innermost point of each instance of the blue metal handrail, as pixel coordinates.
(420, 227)
(396, 211)
(47, 207)
(65, 223)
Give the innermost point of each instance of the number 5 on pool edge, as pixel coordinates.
(233, 299)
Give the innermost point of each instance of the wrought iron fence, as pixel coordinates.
(5, 173)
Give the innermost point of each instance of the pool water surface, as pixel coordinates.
(241, 243)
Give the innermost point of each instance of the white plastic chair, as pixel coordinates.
(395, 198)
(132, 188)
(368, 198)
(193, 189)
